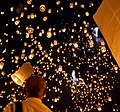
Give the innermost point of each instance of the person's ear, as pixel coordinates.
(44, 92)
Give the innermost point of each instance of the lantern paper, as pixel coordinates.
(107, 18)
(22, 73)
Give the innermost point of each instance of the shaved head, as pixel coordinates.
(35, 86)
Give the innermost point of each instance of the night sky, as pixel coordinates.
(59, 39)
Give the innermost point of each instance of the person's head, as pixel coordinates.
(35, 86)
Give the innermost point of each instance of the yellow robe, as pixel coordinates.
(29, 105)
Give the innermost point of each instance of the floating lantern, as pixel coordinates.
(22, 73)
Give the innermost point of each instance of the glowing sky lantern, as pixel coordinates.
(22, 73)
(1, 65)
(108, 19)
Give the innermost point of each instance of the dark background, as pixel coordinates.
(89, 63)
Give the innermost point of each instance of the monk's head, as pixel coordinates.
(35, 86)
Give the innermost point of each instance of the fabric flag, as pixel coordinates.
(107, 18)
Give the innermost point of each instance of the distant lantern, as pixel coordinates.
(49, 10)
(22, 73)
(109, 99)
(49, 34)
(55, 42)
(60, 68)
(42, 8)
(1, 65)
(45, 18)
(31, 56)
(29, 1)
(99, 108)
(71, 5)
(32, 15)
(30, 30)
(57, 2)
(76, 45)
(17, 22)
